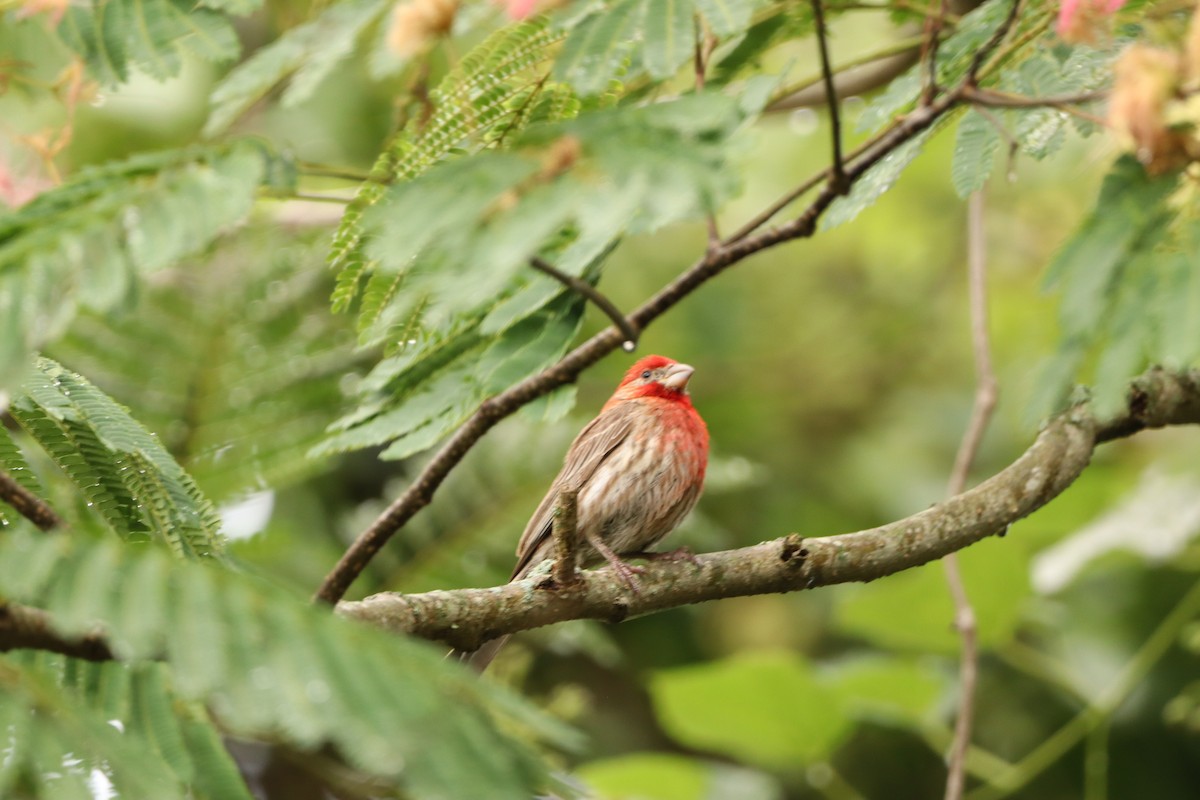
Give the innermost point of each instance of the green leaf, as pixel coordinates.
(1088, 266)
(890, 690)
(308, 53)
(726, 17)
(88, 242)
(60, 743)
(237, 365)
(974, 153)
(487, 95)
(1180, 314)
(767, 709)
(870, 187)
(996, 573)
(670, 35)
(597, 48)
(650, 776)
(300, 676)
(1040, 132)
(114, 36)
(452, 293)
(116, 462)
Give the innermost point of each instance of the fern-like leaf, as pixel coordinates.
(87, 242)
(57, 748)
(489, 88)
(122, 468)
(237, 365)
(115, 36)
(306, 53)
(284, 671)
(485, 320)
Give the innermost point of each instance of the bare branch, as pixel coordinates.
(715, 261)
(981, 415)
(465, 618)
(929, 49)
(28, 504)
(704, 45)
(837, 170)
(591, 293)
(989, 47)
(854, 77)
(22, 627)
(1065, 103)
(566, 538)
(420, 493)
(998, 99)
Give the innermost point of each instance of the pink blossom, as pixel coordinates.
(18, 187)
(1080, 21)
(518, 9)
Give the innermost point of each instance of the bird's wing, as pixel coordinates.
(591, 447)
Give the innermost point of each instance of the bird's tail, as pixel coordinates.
(479, 659)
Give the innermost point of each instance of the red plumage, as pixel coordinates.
(638, 469)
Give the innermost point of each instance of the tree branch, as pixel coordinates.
(593, 294)
(566, 538)
(28, 504)
(466, 618)
(491, 411)
(981, 415)
(715, 260)
(22, 627)
(837, 171)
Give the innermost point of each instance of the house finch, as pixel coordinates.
(637, 469)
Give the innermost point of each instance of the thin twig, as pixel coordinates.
(837, 175)
(990, 46)
(420, 493)
(1065, 103)
(895, 58)
(491, 411)
(314, 198)
(994, 56)
(566, 538)
(28, 504)
(322, 171)
(591, 293)
(1014, 146)
(705, 43)
(765, 216)
(981, 414)
(929, 50)
(25, 628)
(999, 99)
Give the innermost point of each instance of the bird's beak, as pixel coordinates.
(677, 377)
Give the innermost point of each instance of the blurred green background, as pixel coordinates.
(836, 379)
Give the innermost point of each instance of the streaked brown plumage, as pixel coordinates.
(638, 469)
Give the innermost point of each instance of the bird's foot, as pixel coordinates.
(624, 570)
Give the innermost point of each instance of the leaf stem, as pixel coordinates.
(591, 293)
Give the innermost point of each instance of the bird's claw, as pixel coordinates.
(626, 572)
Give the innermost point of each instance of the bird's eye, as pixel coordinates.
(646, 375)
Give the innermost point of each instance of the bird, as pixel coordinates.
(637, 470)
